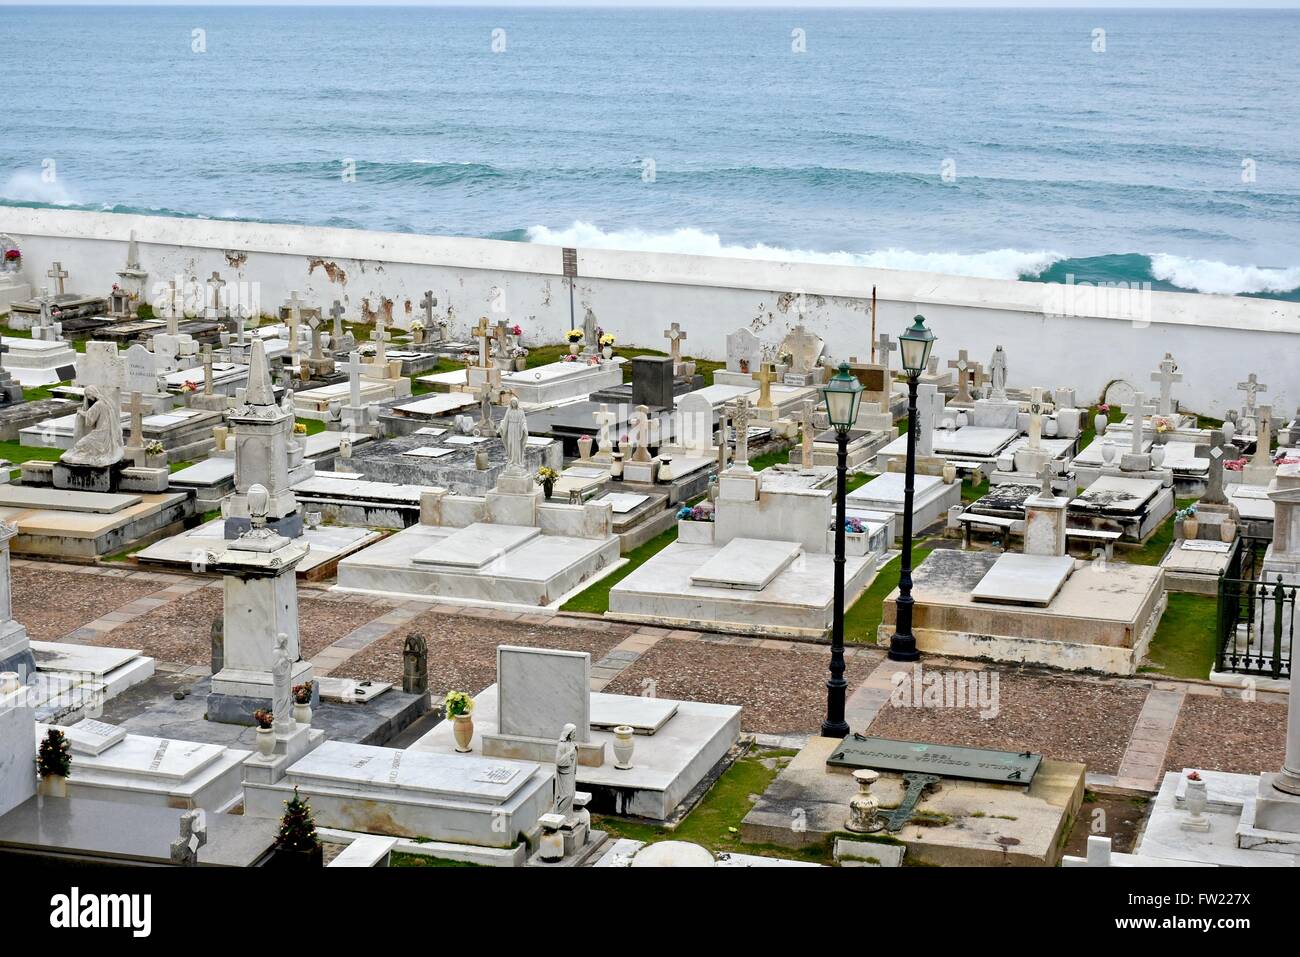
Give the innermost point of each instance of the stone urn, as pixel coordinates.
(949, 473)
(607, 352)
(462, 729)
(302, 713)
(1196, 799)
(623, 747)
(1191, 528)
(53, 786)
(864, 807)
(574, 347)
(1227, 530)
(1108, 452)
(584, 448)
(10, 681)
(1157, 456)
(1099, 423)
(265, 742)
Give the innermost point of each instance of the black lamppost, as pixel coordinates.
(842, 395)
(915, 345)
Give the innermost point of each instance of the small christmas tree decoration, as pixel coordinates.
(297, 829)
(54, 756)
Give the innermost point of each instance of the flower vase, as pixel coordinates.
(1099, 423)
(53, 785)
(574, 347)
(265, 742)
(607, 352)
(302, 713)
(463, 730)
(623, 747)
(1157, 456)
(864, 807)
(10, 681)
(548, 489)
(1195, 800)
(1190, 529)
(1227, 531)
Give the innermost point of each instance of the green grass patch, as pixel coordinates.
(768, 459)
(854, 482)
(1089, 431)
(595, 598)
(312, 425)
(1184, 644)
(970, 492)
(862, 620)
(18, 454)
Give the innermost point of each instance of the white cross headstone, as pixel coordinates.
(1166, 374)
(58, 274)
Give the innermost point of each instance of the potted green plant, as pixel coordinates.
(302, 703)
(264, 720)
(459, 706)
(546, 478)
(53, 764)
(297, 844)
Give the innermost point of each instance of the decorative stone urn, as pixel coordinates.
(624, 745)
(1195, 799)
(10, 681)
(302, 713)
(1157, 456)
(864, 807)
(1227, 530)
(1100, 421)
(1108, 452)
(266, 742)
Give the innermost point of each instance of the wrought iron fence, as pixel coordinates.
(1257, 618)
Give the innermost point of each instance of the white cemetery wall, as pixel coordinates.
(1069, 335)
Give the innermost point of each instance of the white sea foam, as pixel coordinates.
(995, 264)
(28, 186)
(1207, 275)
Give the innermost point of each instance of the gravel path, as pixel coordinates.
(1228, 734)
(1085, 721)
(462, 649)
(179, 632)
(780, 691)
(52, 602)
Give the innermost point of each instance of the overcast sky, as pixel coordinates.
(1046, 4)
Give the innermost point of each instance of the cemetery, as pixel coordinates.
(436, 586)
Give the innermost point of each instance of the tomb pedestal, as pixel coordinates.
(87, 478)
(1045, 524)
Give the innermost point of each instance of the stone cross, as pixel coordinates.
(207, 369)
(427, 304)
(766, 376)
(884, 346)
(1166, 375)
(484, 395)
(501, 334)
(1214, 452)
(642, 453)
(979, 378)
(137, 407)
(58, 274)
(193, 835)
(317, 353)
(380, 336)
(217, 284)
(1036, 418)
(336, 313)
(480, 332)
(740, 417)
(173, 317)
(1263, 455)
(415, 664)
(604, 420)
(1252, 387)
(354, 368)
(1045, 481)
(1137, 415)
(675, 335)
(962, 365)
(295, 317)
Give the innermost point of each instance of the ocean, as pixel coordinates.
(1126, 146)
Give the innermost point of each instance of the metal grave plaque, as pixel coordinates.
(946, 760)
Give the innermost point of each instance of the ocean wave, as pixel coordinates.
(1207, 275)
(419, 172)
(994, 264)
(29, 186)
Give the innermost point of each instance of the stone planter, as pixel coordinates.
(265, 742)
(949, 473)
(53, 786)
(574, 347)
(864, 807)
(1099, 423)
(694, 533)
(463, 730)
(520, 364)
(302, 713)
(856, 544)
(1227, 531)
(624, 745)
(607, 352)
(1191, 527)
(156, 461)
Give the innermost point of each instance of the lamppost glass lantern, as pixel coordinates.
(916, 344)
(842, 394)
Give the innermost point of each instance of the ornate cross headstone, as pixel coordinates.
(354, 368)
(1045, 481)
(427, 304)
(675, 334)
(1036, 418)
(1166, 374)
(173, 312)
(605, 420)
(884, 346)
(380, 336)
(193, 835)
(1252, 387)
(806, 436)
(58, 274)
(336, 313)
(485, 425)
(724, 423)
(480, 332)
(317, 353)
(217, 284)
(501, 335)
(962, 365)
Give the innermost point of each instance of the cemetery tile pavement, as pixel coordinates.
(1225, 733)
(54, 601)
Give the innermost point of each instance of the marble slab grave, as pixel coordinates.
(149, 757)
(86, 659)
(541, 690)
(429, 452)
(88, 736)
(1024, 579)
(642, 715)
(1116, 493)
(624, 502)
(746, 563)
(476, 545)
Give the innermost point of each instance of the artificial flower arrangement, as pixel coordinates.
(573, 336)
(593, 360)
(1236, 465)
(516, 330)
(13, 256)
(189, 386)
(302, 693)
(519, 352)
(1184, 514)
(854, 526)
(417, 325)
(1162, 424)
(607, 339)
(467, 358)
(697, 513)
(569, 358)
(299, 429)
(546, 474)
(154, 448)
(458, 703)
(263, 718)
(1104, 409)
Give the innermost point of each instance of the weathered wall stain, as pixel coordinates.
(236, 259)
(370, 314)
(335, 272)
